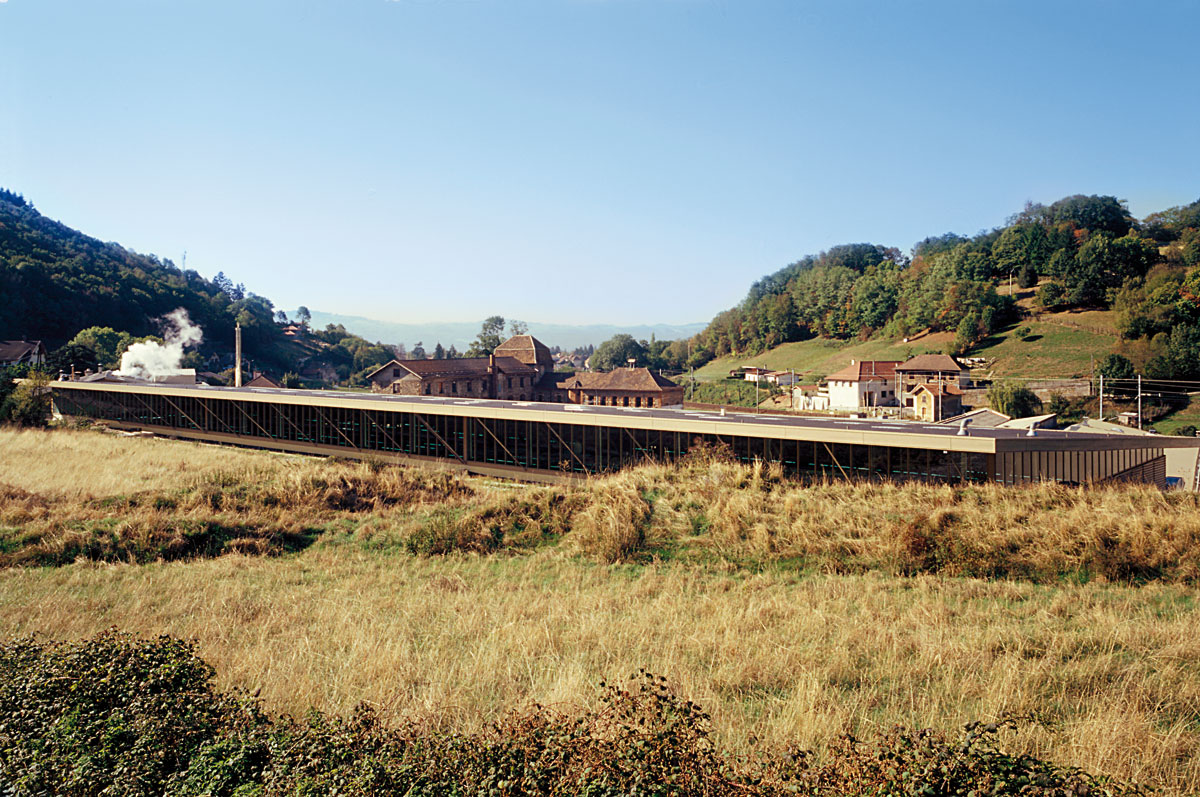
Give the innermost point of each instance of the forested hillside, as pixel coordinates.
(56, 281)
(1082, 252)
(61, 286)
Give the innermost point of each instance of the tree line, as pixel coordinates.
(56, 281)
(1081, 252)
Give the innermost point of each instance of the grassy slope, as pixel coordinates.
(1062, 345)
(774, 652)
(1187, 416)
(818, 357)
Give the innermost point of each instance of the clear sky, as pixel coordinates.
(577, 161)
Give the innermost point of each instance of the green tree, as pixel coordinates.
(1103, 264)
(1027, 277)
(1096, 213)
(1182, 357)
(875, 298)
(969, 332)
(489, 337)
(106, 342)
(7, 385)
(438, 352)
(303, 316)
(1052, 296)
(1021, 246)
(72, 355)
(1013, 399)
(418, 351)
(28, 404)
(616, 351)
(1119, 375)
(1116, 366)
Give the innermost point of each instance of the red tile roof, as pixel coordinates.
(459, 367)
(529, 346)
(866, 369)
(939, 390)
(466, 367)
(624, 379)
(937, 363)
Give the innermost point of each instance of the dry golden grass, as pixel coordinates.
(252, 502)
(791, 613)
(774, 656)
(720, 510)
(84, 464)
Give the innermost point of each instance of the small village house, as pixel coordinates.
(22, 352)
(932, 402)
(931, 386)
(752, 373)
(781, 378)
(863, 384)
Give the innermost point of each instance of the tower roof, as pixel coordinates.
(525, 348)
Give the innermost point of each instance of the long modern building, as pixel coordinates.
(543, 441)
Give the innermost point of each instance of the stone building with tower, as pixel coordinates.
(522, 369)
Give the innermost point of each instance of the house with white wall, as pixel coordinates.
(863, 384)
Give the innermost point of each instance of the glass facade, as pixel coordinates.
(565, 447)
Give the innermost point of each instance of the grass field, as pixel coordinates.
(816, 358)
(1061, 345)
(790, 614)
(1185, 416)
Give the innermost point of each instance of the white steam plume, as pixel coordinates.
(148, 359)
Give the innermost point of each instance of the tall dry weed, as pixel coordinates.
(706, 506)
(612, 528)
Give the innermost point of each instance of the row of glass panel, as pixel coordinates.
(560, 446)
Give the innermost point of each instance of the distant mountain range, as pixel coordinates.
(460, 334)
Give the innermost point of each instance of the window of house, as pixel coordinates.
(510, 381)
(454, 387)
(395, 372)
(441, 387)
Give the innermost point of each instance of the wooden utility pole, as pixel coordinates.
(237, 347)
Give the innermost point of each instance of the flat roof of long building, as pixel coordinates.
(833, 430)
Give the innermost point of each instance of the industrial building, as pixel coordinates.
(544, 441)
(520, 369)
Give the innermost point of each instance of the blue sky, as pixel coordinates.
(577, 161)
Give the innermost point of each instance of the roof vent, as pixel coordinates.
(962, 427)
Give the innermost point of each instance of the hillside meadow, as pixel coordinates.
(790, 613)
(1060, 345)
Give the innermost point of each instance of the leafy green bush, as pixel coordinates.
(26, 404)
(118, 715)
(112, 715)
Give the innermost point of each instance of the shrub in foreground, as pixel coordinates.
(118, 715)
